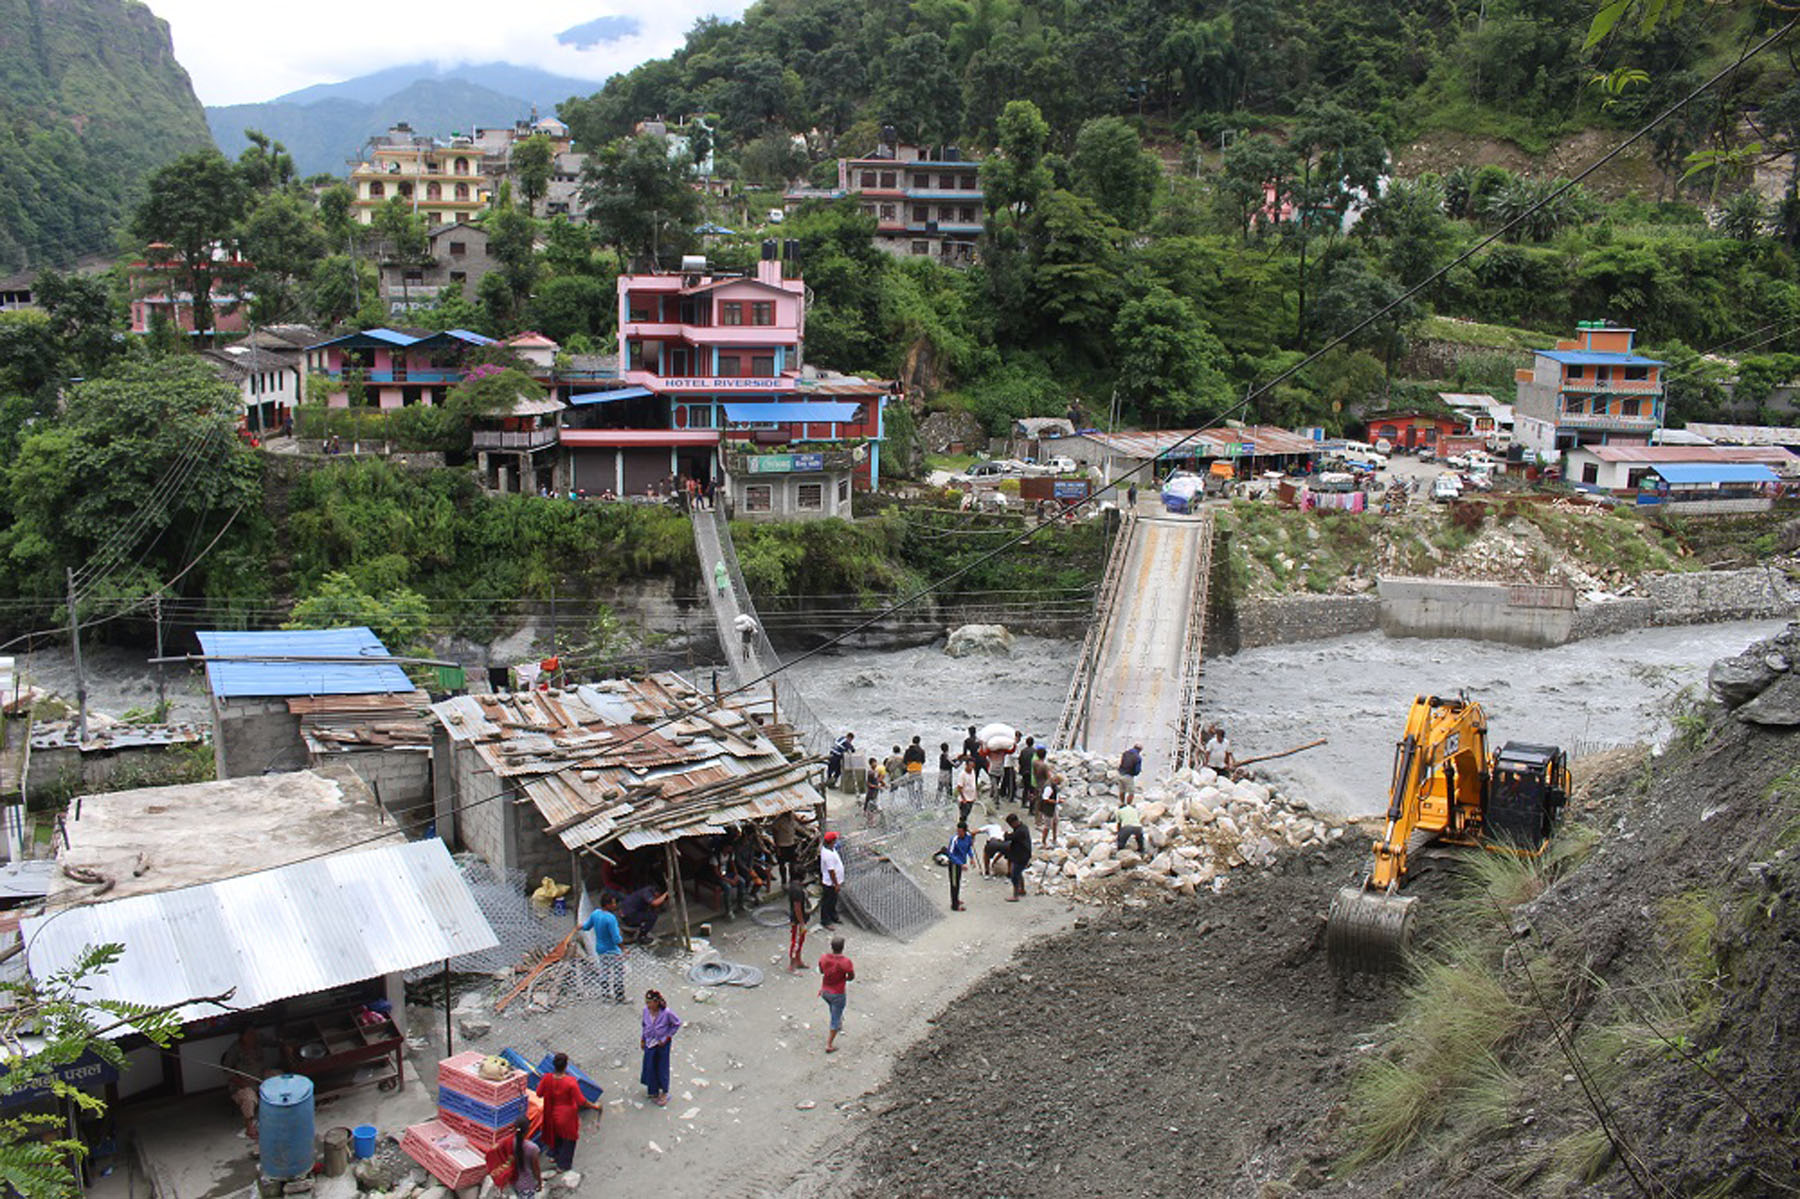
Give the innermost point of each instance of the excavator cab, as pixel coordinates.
(1445, 788)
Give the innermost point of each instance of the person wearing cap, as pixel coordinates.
(831, 877)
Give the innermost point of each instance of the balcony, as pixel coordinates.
(534, 439)
(403, 375)
(1627, 386)
(1606, 424)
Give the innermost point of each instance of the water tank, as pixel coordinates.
(768, 250)
(285, 1126)
(693, 264)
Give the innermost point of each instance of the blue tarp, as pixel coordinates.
(1721, 472)
(230, 679)
(792, 411)
(607, 397)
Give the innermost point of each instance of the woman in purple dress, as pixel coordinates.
(660, 1026)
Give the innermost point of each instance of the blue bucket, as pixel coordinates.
(363, 1140)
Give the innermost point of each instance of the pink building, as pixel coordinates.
(397, 369)
(713, 366)
(154, 297)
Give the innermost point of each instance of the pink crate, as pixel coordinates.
(482, 1138)
(446, 1154)
(462, 1074)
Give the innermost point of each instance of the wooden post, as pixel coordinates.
(680, 893)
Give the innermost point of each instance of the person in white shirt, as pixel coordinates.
(993, 848)
(831, 877)
(968, 790)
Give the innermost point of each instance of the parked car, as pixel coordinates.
(1427, 454)
(1446, 487)
(989, 470)
(776, 216)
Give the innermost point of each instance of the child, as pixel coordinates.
(798, 911)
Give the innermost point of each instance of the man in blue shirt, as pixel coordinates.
(961, 852)
(603, 922)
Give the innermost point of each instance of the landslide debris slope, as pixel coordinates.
(1620, 1017)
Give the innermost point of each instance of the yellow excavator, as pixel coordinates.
(1446, 788)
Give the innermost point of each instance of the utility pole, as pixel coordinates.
(80, 678)
(162, 697)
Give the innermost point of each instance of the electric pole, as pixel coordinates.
(80, 678)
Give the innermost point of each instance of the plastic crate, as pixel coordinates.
(488, 1115)
(481, 1138)
(445, 1153)
(462, 1074)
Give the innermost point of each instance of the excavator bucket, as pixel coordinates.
(1369, 931)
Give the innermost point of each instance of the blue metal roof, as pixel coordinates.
(379, 337)
(1598, 358)
(812, 411)
(607, 397)
(1722, 472)
(230, 679)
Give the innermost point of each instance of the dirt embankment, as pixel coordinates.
(1638, 1033)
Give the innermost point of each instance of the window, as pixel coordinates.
(969, 183)
(762, 366)
(759, 497)
(921, 247)
(887, 212)
(1590, 472)
(967, 212)
(762, 312)
(947, 182)
(458, 249)
(1602, 374)
(433, 191)
(921, 212)
(377, 189)
(869, 208)
(946, 212)
(462, 191)
(810, 496)
(406, 191)
(699, 416)
(638, 314)
(887, 180)
(843, 491)
(459, 276)
(728, 366)
(635, 354)
(1638, 373)
(731, 312)
(1578, 371)
(1629, 407)
(414, 276)
(461, 167)
(868, 179)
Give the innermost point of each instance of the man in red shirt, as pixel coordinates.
(563, 1102)
(837, 971)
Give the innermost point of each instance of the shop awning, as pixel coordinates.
(792, 412)
(607, 397)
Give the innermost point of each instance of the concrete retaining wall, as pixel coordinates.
(1528, 616)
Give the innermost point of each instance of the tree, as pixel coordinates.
(399, 616)
(512, 235)
(1258, 180)
(639, 200)
(283, 242)
(52, 1023)
(335, 288)
(1342, 159)
(1112, 169)
(571, 305)
(530, 165)
(141, 472)
(1169, 362)
(1410, 219)
(85, 321)
(401, 232)
(1015, 175)
(265, 165)
(193, 205)
(772, 159)
(1744, 216)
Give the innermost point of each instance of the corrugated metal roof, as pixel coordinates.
(1722, 472)
(638, 762)
(1598, 358)
(273, 934)
(1207, 443)
(230, 679)
(1778, 435)
(1773, 456)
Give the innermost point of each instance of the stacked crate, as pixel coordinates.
(475, 1115)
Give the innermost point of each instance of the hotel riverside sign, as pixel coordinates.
(726, 383)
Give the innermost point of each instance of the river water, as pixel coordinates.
(1354, 691)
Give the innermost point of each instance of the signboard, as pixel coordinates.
(725, 383)
(804, 462)
(1070, 489)
(781, 464)
(88, 1070)
(1236, 449)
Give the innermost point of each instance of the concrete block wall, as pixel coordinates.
(1478, 611)
(254, 736)
(400, 777)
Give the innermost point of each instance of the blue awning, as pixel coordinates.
(1723, 472)
(792, 412)
(607, 397)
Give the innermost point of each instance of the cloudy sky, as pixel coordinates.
(240, 53)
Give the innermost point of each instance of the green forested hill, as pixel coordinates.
(91, 98)
(943, 70)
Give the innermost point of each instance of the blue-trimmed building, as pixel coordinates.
(926, 201)
(1593, 390)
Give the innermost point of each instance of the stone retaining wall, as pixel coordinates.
(1753, 593)
(1301, 618)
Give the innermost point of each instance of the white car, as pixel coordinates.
(1446, 487)
(776, 216)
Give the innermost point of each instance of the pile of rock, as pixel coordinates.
(1762, 684)
(1198, 827)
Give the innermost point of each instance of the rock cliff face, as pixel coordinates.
(91, 100)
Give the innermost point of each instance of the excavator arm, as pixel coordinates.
(1437, 793)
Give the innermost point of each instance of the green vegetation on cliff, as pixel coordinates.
(91, 99)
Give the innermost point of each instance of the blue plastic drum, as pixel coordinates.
(285, 1126)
